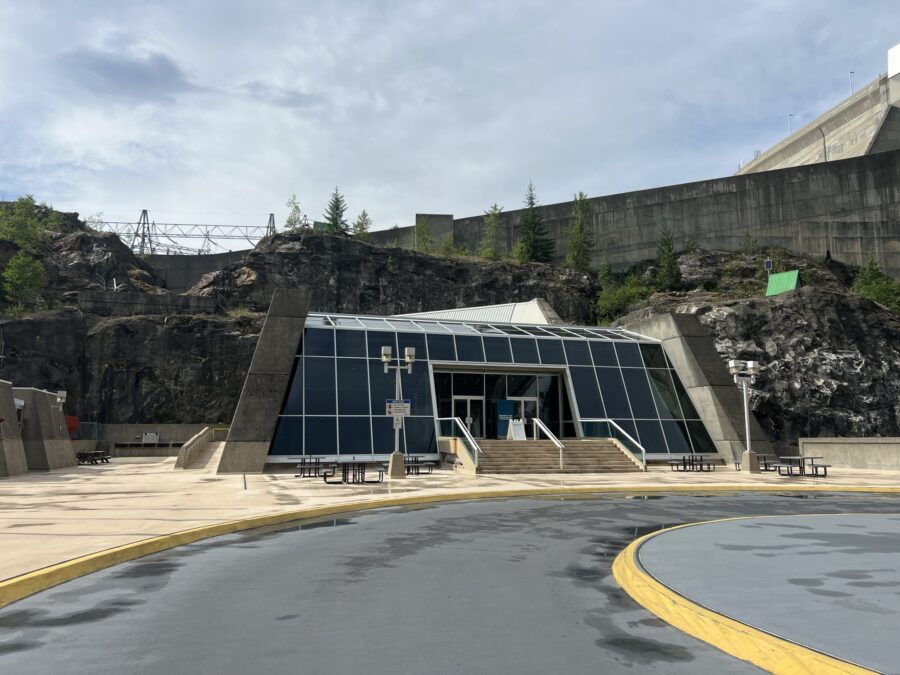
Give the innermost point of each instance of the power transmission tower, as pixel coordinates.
(143, 234)
(270, 226)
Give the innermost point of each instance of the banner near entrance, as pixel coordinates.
(516, 431)
(504, 415)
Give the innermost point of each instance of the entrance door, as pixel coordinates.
(470, 409)
(525, 409)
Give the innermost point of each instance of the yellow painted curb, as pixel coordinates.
(18, 587)
(733, 637)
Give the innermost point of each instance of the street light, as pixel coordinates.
(745, 373)
(397, 466)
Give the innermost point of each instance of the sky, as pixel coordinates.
(218, 111)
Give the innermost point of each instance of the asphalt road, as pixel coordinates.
(511, 586)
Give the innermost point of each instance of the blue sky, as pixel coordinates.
(219, 111)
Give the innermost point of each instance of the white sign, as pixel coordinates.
(516, 431)
(398, 407)
(398, 422)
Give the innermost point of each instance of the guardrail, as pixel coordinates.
(617, 433)
(469, 441)
(539, 426)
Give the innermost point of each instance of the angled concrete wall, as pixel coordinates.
(265, 387)
(181, 272)
(44, 432)
(690, 348)
(12, 450)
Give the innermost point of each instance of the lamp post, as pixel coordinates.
(744, 374)
(397, 466)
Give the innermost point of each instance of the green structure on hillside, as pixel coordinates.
(782, 282)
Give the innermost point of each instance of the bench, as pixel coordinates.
(92, 457)
(414, 466)
(815, 468)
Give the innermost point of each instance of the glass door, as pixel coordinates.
(525, 409)
(470, 409)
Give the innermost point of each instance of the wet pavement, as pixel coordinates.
(831, 583)
(495, 586)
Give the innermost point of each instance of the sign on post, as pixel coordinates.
(398, 407)
(516, 431)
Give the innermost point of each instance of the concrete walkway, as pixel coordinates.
(50, 518)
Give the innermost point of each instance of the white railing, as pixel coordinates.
(539, 426)
(628, 447)
(471, 444)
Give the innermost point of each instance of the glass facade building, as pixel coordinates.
(574, 378)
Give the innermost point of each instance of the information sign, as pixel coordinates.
(398, 407)
(516, 431)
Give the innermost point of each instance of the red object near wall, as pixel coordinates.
(72, 424)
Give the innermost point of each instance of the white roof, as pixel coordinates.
(536, 311)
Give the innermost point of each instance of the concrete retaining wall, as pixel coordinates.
(193, 447)
(110, 303)
(854, 453)
(181, 272)
(168, 433)
(143, 452)
(12, 450)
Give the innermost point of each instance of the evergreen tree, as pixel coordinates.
(579, 241)
(534, 244)
(873, 284)
(295, 215)
(423, 234)
(489, 249)
(335, 223)
(361, 226)
(668, 274)
(23, 280)
(23, 222)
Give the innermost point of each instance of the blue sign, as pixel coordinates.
(505, 411)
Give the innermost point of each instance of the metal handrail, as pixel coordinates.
(643, 459)
(540, 426)
(468, 436)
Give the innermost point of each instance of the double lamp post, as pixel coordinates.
(397, 466)
(744, 373)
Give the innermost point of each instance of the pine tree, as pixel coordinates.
(579, 241)
(335, 223)
(873, 284)
(361, 226)
(295, 215)
(534, 244)
(423, 234)
(23, 280)
(489, 249)
(668, 274)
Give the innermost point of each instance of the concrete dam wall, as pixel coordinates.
(846, 208)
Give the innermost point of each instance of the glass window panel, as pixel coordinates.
(378, 339)
(690, 412)
(568, 430)
(460, 328)
(431, 326)
(629, 354)
(486, 330)
(521, 385)
(524, 350)
(353, 387)
(293, 404)
(639, 393)
(440, 348)
(604, 353)
(416, 386)
(577, 353)
(496, 350)
(403, 324)
(495, 386)
(355, 435)
(677, 437)
(551, 352)
(318, 321)
(321, 436)
(468, 384)
(288, 438)
(420, 438)
(351, 343)
(319, 389)
(468, 348)
(664, 394)
(582, 332)
(628, 427)
(443, 385)
(533, 330)
(548, 395)
(562, 332)
(613, 390)
(605, 334)
(653, 355)
(346, 322)
(703, 444)
(587, 395)
(415, 340)
(383, 436)
(512, 330)
(376, 324)
(318, 342)
(651, 435)
(381, 385)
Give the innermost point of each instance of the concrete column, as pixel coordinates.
(12, 450)
(44, 433)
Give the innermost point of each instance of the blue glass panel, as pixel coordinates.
(319, 380)
(604, 353)
(677, 437)
(496, 350)
(381, 385)
(376, 339)
(353, 387)
(653, 355)
(318, 342)
(703, 444)
(524, 350)
(440, 348)
(321, 436)
(687, 408)
(628, 427)
(639, 393)
(383, 436)
(351, 343)
(420, 436)
(587, 396)
(293, 404)
(521, 385)
(288, 438)
(577, 353)
(651, 435)
(629, 354)
(664, 393)
(468, 348)
(416, 386)
(613, 392)
(551, 352)
(415, 340)
(355, 435)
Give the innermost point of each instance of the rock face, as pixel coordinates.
(350, 276)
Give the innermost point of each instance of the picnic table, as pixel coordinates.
(352, 472)
(805, 466)
(693, 462)
(414, 465)
(92, 457)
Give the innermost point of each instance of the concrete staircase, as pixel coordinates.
(589, 455)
